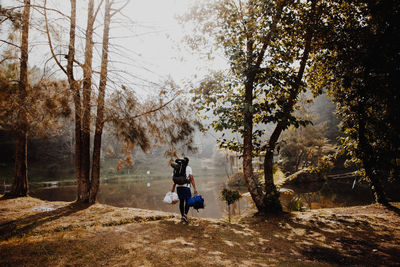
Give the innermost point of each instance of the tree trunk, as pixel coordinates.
(253, 186)
(75, 89)
(271, 193)
(19, 187)
(364, 150)
(20, 184)
(95, 179)
(376, 186)
(271, 198)
(229, 213)
(87, 90)
(374, 182)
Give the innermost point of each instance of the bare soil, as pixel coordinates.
(39, 233)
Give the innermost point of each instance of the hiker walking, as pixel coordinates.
(183, 178)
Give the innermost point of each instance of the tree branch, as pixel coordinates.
(154, 110)
(9, 43)
(49, 40)
(119, 9)
(267, 39)
(97, 11)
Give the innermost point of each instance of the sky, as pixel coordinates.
(146, 42)
(157, 41)
(159, 44)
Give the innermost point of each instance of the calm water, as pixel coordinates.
(337, 193)
(149, 193)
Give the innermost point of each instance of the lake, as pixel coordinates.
(148, 193)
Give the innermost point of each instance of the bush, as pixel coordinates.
(230, 196)
(295, 204)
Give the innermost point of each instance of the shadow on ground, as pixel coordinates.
(21, 226)
(105, 235)
(344, 239)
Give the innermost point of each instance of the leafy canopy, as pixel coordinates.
(358, 66)
(240, 29)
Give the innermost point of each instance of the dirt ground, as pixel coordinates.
(40, 233)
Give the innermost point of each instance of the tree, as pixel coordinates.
(19, 187)
(88, 183)
(86, 105)
(95, 179)
(30, 105)
(229, 197)
(267, 44)
(124, 112)
(286, 102)
(74, 87)
(358, 66)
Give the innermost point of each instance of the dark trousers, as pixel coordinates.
(184, 194)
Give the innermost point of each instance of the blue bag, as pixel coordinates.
(197, 202)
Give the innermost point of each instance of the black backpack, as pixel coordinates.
(179, 176)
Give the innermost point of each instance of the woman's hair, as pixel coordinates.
(187, 160)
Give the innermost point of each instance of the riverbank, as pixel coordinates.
(40, 233)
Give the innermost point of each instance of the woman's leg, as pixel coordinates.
(188, 195)
(181, 206)
(186, 206)
(181, 195)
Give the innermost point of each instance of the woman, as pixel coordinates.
(184, 193)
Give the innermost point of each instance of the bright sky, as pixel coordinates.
(159, 43)
(149, 47)
(159, 36)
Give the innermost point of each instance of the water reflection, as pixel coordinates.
(148, 193)
(336, 193)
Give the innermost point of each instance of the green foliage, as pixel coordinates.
(358, 66)
(303, 147)
(295, 204)
(324, 110)
(240, 32)
(230, 196)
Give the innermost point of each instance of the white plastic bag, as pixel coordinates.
(171, 198)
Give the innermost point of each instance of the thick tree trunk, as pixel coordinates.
(95, 180)
(254, 63)
(87, 90)
(271, 193)
(364, 148)
(19, 187)
(376, 186)
(271, 198)
(253, 186)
